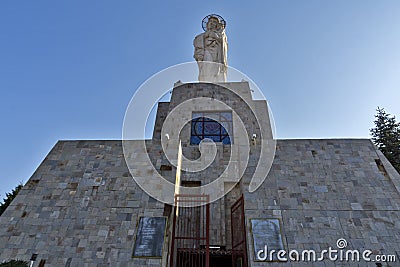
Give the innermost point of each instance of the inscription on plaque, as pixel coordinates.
(150, 237)
(266, 232)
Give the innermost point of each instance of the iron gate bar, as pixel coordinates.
(190, 231)
(239, 244)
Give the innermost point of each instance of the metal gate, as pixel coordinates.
(190, 231)
(239, 250)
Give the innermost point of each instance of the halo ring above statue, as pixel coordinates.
(206, 18)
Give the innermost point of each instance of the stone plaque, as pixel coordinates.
(266, 232)
(150, 237)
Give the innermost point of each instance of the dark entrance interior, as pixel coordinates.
(220, 260)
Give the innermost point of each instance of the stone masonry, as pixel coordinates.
(81, 207)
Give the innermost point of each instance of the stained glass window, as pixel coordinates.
(216, 126)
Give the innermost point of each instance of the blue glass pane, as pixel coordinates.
(215, 138)
(211, 128)
(197, 115)
(227, 116)
(197, 128)
(212, 116)
(226, 126)
(224, 129)
(226, 140)
(192, 131)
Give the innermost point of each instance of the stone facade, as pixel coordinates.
(81, 207)
(323, 190)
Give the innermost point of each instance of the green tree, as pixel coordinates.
(9, 198)
(386, 136)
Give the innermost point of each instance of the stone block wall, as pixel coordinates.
(323, 190)
(81, 206)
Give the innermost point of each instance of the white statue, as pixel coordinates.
(210, 49)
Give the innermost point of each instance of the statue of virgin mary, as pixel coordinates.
(210, 50)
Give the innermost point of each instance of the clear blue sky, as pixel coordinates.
(69, 68)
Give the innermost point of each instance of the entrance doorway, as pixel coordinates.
(190, 246)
